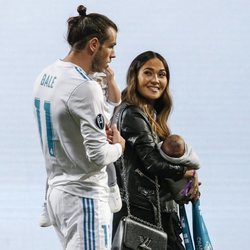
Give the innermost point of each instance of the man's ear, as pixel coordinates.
(94, 45)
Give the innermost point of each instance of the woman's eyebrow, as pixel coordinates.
(149, 68)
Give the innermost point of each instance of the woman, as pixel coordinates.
(143, 123)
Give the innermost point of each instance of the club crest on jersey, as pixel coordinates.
(99, 121)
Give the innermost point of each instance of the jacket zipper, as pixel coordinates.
(138, 171)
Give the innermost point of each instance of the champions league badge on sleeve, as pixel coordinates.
(99, 121)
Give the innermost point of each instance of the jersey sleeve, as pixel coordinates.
(86, 106)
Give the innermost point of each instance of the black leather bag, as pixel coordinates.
(132, 234)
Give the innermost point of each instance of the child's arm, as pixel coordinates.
(114, 94)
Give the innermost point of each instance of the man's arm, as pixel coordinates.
(86, 106)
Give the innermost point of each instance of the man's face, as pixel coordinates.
(105, 53)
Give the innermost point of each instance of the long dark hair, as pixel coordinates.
(83, 27)
(162, 106)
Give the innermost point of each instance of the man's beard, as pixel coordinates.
(97, 63)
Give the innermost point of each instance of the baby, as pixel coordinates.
(175, 150)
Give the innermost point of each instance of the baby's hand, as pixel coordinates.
(109, 73)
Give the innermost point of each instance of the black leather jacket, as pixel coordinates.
(142, 160)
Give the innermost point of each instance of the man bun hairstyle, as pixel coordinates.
(81, 10)
(85, 26)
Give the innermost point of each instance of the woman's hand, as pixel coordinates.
(194, 192)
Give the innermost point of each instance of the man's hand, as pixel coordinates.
(109, 133)
(113, 136)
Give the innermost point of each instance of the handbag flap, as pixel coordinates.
(141, 236)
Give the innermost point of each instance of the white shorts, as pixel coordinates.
(81, 223)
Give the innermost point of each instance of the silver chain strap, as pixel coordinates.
(159, 224)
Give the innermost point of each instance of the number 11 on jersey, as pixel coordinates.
(48, 124)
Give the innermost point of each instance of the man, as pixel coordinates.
(69, 109)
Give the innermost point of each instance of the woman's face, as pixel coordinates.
(152, 80)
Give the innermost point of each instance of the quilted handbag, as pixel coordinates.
(133, 234)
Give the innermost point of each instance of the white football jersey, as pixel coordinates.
(69, 109)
